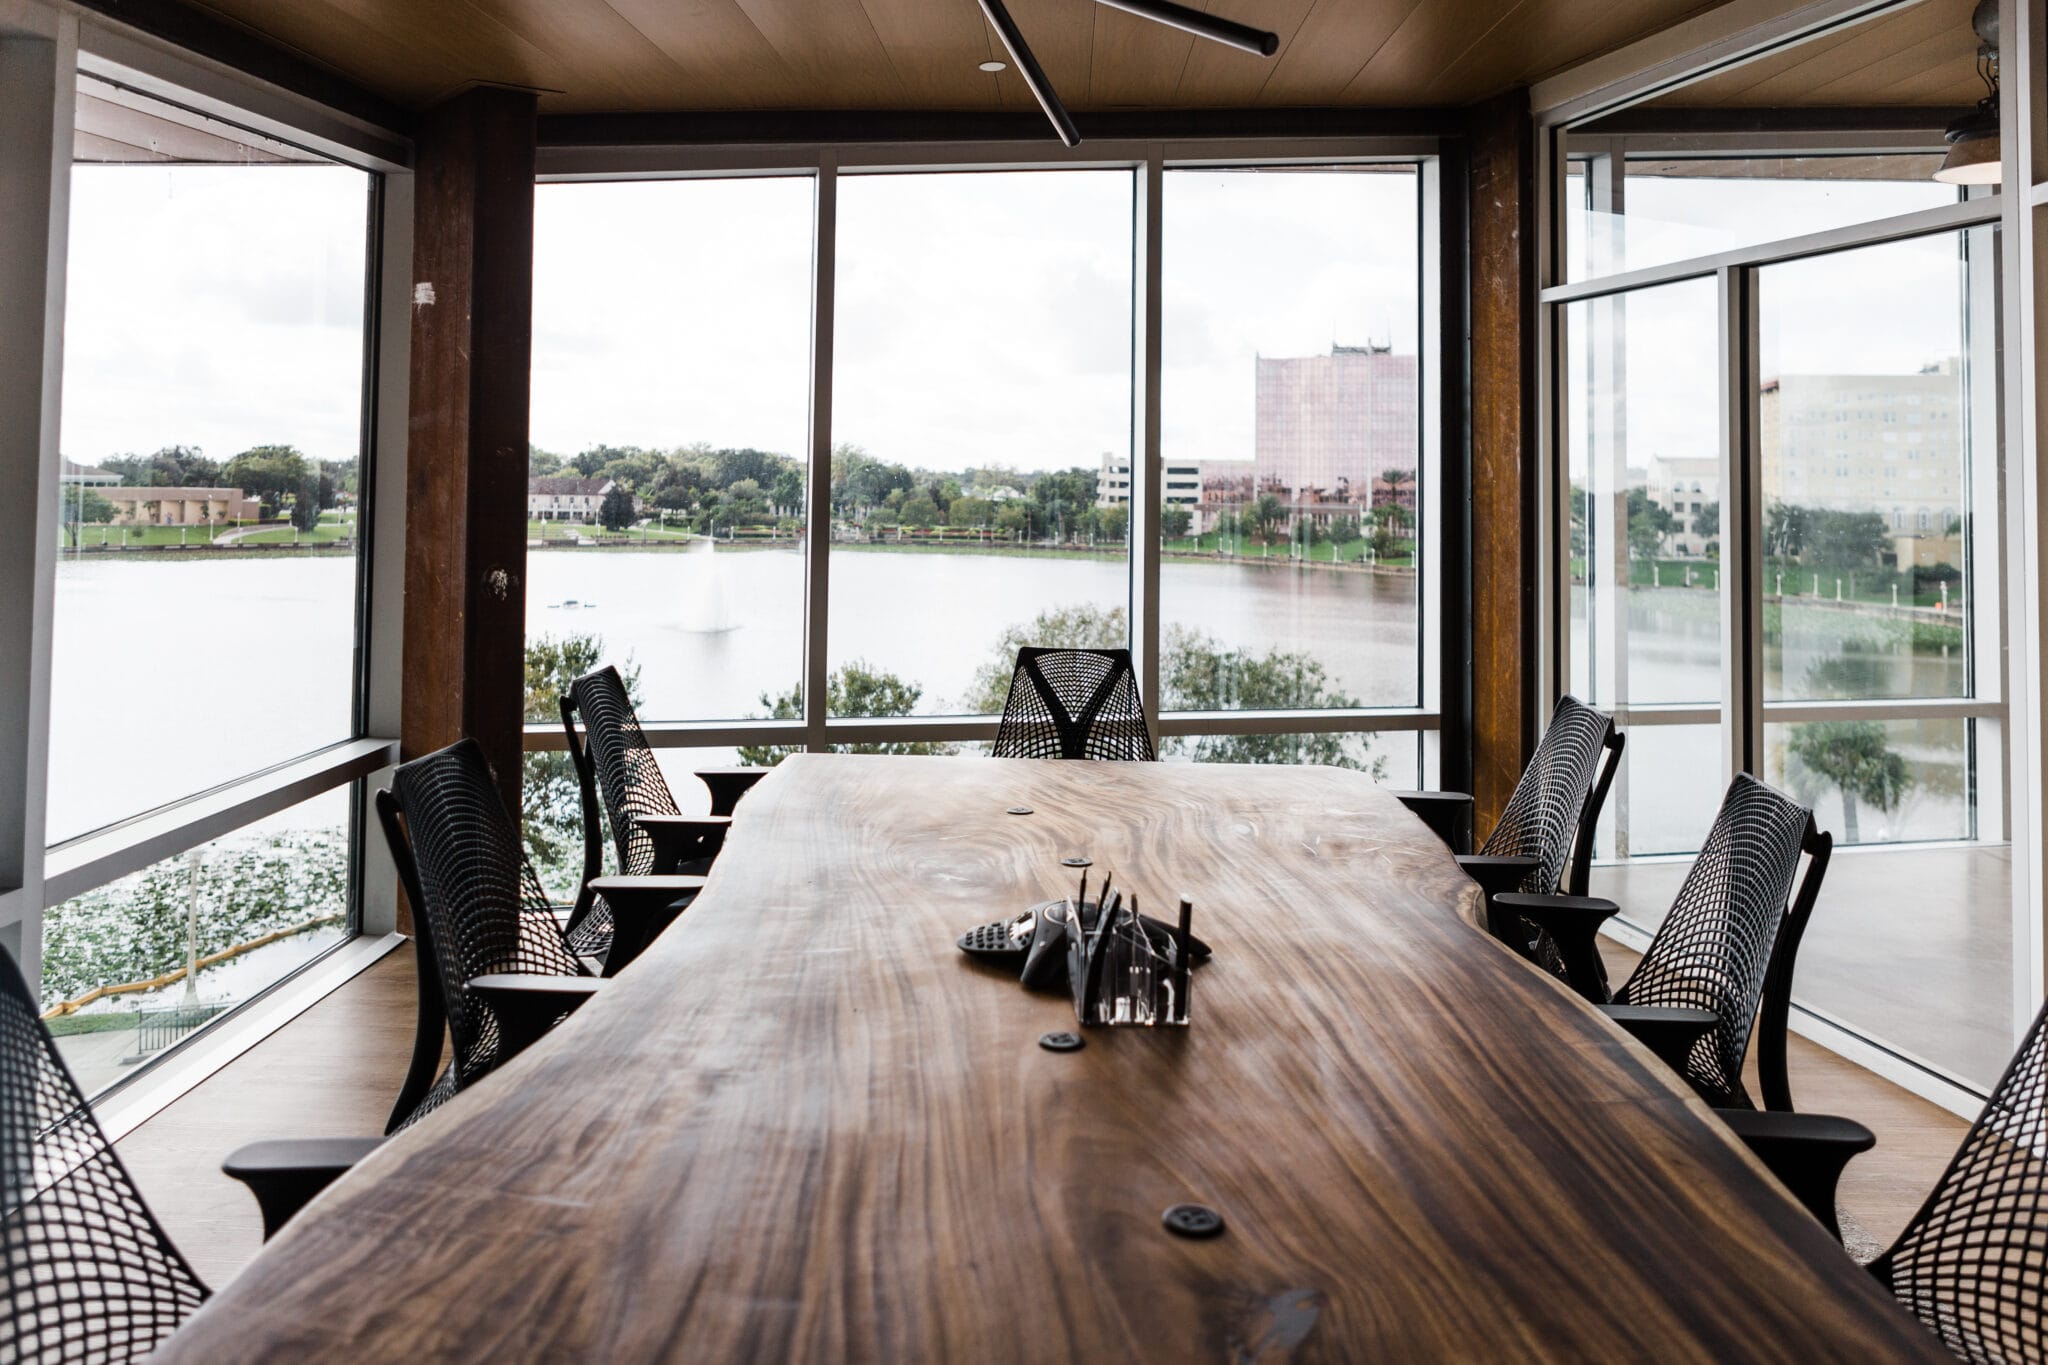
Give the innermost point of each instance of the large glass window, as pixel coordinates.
(1291, 438)
(980, 456)
(1670, 208)
(135, 967)
(671, 399)
(1645, 507)
(1876, 618)
(213, 393)
(981, 417)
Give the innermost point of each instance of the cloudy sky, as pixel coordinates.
(982, 319)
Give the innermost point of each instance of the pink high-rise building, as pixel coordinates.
(1329, 426)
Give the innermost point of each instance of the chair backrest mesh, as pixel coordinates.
(1074, 703)
(1714, 947)
(1543, 810)
(1972, 1261)
(628, 778)
(485, 908)
(90, 1276)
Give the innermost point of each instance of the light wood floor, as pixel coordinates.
(334, 1070)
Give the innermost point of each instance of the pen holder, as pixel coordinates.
(1124, 973)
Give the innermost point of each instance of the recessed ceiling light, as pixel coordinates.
(994, 66)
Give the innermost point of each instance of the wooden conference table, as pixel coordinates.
(804, 1127)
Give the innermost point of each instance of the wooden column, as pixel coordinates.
(1504, 495)
(472, 342)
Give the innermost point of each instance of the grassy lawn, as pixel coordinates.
(1871, 587)
(144, 535)
(1327, 552)
(283, 535)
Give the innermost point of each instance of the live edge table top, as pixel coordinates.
(804, 1127)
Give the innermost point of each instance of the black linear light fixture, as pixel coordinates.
(1257, 41)
(1229, 32)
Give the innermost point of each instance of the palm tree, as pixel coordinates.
(1854, 757)
(1266, 515)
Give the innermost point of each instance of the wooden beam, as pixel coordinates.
(1502, 148)
(472, 343)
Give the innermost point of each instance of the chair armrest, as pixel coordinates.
(683, 839)
(528, 1005)
(1667, 1030)
(641, 908)
(284, 1176)
(1807, 1152)
(1448, 815)
(1496, 875)
(1573, 923)
(1559, 910)
(728, 785)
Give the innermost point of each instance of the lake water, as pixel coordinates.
(174, 675)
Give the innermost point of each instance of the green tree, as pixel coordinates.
(615, 513)
(1853, 757)
(1785, 527)
(1263, 519)
(787, 492)
(1112, 523)
(920, 511)
(1174, 521)
(306, 504)
(969, 512)
(1706, 523)
(854, 689)
(170, 467)
(1197, 673)
(550, 801)
(1013, 518)
(541, 463)
(270, 473)
(85, 506)
(1648, 524)
(1845, 540)
(1346, 531)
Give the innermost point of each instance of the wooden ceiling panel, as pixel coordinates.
(726, 61)
(413, 54)
(935, 49)
(1222, 76)
(1538, 37)
(832, 47)
(1925, 54)
(1336, 40)
(1062, 36)
(597, 56)
(1136, 63)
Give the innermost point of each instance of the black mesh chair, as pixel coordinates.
(495, 970)
(1074, 703)
(1544, 839)
(1970, 1264)
(651, 836)
(89, 1272)
(1719, 972)
(1726, 947)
